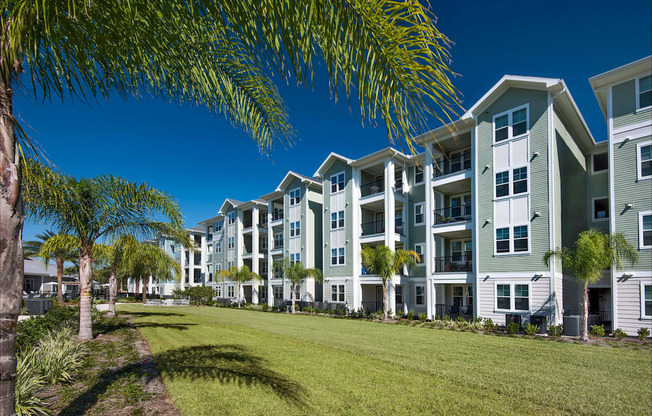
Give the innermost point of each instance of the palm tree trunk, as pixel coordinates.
(60, 281)
(585, 314)
(292, 297)
(239, 294)
(85, 286)
(385, 300)
(112, 292)
(11, 249)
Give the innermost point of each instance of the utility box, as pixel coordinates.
(541, 321)
(513, 317)
(38, 306)
(572, 325)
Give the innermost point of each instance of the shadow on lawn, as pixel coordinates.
(226, 364)
(144, 314)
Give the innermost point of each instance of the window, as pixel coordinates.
(337, 220)
(645, 229)
(231, 242)
(418, 175)
(502, 184)
(420, 294)
(218, 247)
(337, 183)
(218, 291)
(278, 240)
(600, 162)
(278, 291)
(218, 225)
(418, 214)
(295, 196)
(337, 293)
(645, 160)
(520, 238)
(502, 240)
(295, 229)
(418, 248)
(398, 293)
(230, 291)
(263, 267)
(295, 258)
(510, 125)
(600, 209)
(231, 217)
(519, 180)
(645, 92)
(513, 297)
(458, 295)
(218, 268)
(646, 300)
(337, 256)
(297, 291)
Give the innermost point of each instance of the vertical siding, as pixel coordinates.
(629, 306)
(624, 105)
(347, 269)
(417, 194)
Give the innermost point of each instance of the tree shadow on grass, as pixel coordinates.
(144, 314)
(180, 327)
(226, 364)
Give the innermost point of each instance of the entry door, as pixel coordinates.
(379, 298)
(380, 222)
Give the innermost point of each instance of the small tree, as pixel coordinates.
(145, 260)
(296, 273)
(239, 275)
(384, 262)
(592, 253)
(46, 249)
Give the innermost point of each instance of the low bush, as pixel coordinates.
(59, 355)
(531, 329)
(399, 315)
(29, 382)
(597, 331)
(555, 331)
(643, 333)
(489, 325)
(410, 315)
(265, 307)
(512, 328)
(619, 334)
(446, 318)
(422, 317)
(30, 331)
(199, 294)
(460, 319)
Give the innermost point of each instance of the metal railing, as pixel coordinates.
(398, 185)
(277, 214)
(372, 188)
(443, 167)
(378, 227)
(460, 213)
(247, 223)
(453, 311)
(278, 244)
(456, 263)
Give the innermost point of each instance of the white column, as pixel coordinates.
(390, 232)
(239, 241)
(429, 250)
(254, 249)
(204, 258)
(355, 244)
(270, 262)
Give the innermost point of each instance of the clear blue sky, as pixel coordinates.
(201, 160)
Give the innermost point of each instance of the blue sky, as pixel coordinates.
(201, 160)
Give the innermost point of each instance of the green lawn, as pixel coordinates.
(228, 361)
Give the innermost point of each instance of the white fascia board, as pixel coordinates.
(327, 162)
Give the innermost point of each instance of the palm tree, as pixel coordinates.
(143, 260)
(385, 262)
(64, 252)
(104, 207)
(213, 54)
(296, 274)
(115, 256)
(239, 275)
(593, 252)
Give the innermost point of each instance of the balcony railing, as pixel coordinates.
(277, 214)
(246, 249)
(278, 245)
(372, 188)
(443, 167)
(247, 223)
(378, 227)
(454, 311)
(398, 185)
(456, 263)
(460, 213)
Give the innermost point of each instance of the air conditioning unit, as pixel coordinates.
(513, 317)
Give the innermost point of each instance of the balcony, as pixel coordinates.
(277, 215)
(450, 215)
(457, 263)
(278, 244)
(247, 223)
(443, 167)
(378, 227)
(372, 188)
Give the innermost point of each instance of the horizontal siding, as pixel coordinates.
(624, 105)
(346, 270)
(541, 300)
(629, 306)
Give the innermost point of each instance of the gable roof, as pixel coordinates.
(332, 157)
(228, 201)
(303, 178)
(381, 154)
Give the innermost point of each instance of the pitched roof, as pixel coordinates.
(332, 157)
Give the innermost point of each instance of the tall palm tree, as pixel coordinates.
(385, 262)
(104, 207)
(143, 260)
(115, 256)
(215, 54)
(296, 274)
(60, 253)
(592, 253)
(240, 275)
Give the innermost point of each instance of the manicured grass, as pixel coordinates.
(228, 361)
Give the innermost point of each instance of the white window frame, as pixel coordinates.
(220, 224)
(337, 257)
(423, 214)
(339, 221)
(231, 218)
(296, 231)
(339, 294)
(218, 268)
(416, 302)
(422, 254)
(230, 291)
(638, 94)
(218, 291)
(643, 315)
(297, 197)
(423, 176)
(640, 230)
(510, 181)
(593, 171)
(593, 218)
(639, 162)
(511, 251)
(218, 247)
(509, 114)
(512, 297)
(398, 288)
(334, 180)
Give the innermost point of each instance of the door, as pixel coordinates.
(379, 223)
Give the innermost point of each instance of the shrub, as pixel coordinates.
(512, 328)
(423, 317)
(531, 329)
(29, 382)
(378, 315)
(643, 333)
(59, 355)
(460, 319)
(410, 315)
(489, 325)
(265, 307)
(619, 334)
(555, 331)
(597, 331)
(399, 315)
(446, 318)
(30, 331)
(390, 313)
(199, 294)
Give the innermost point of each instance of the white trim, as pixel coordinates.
(423, 176)
(290, 204)
(330, 182)
(612, 206)
(638, 94)
(642, 214)
(643, 315)
(593, 218)
(337, 292)
(512, 296)
(423, 213)
(510, 123)
(632, 131)
(639, 162)
(337, 257)
(425, 301)
(593, 171)
(423, 251)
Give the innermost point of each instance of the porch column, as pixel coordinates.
(390, 232)
(254, 249)
(429, 250)
(356, 217)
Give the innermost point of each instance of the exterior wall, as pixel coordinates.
(597, 185)
(540, 300)
(336, 203)
(415, 234)
(630, 317)
(624, 105)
